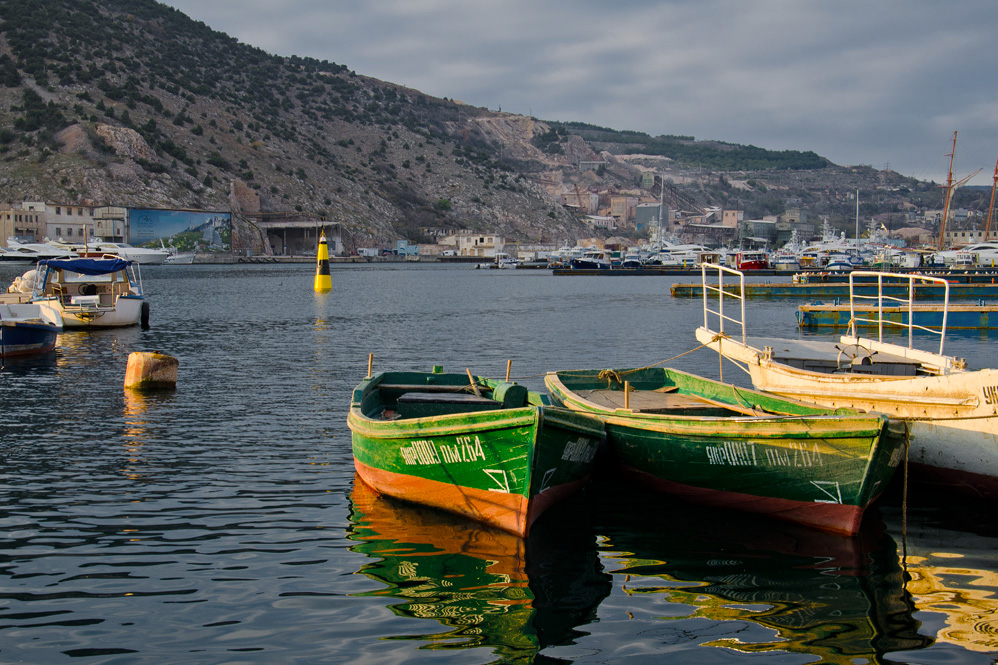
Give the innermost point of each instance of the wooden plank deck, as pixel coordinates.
(650, 401)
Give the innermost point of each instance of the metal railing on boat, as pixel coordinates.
(914, 281)
(721, 293)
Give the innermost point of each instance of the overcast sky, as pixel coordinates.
(877, 82)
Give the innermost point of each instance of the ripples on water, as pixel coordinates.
(222, 523)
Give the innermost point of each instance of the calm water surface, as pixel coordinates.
(222, 523)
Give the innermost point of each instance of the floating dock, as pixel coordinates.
(960, 316)
(832, 290)
(663, 271)
(974, 276)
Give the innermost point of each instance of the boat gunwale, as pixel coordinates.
(620, 415)
(530, 415)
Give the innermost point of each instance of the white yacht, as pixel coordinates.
(983, 254)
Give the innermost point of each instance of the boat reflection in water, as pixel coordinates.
(489, 588)
(768, 587)
(952, 575)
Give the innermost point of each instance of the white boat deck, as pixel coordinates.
(831, 356)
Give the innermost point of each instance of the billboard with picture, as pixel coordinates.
(185, 229)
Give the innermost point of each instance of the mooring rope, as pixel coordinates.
(904, 508)
(624, 372)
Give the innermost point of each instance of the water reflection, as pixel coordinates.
(26, 365)
(489, 589)
(950, 561)
(964, 597)
(841, 599)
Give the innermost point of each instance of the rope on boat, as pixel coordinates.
(611, 376)
(630, 371)
(904, 510)
(720, 357)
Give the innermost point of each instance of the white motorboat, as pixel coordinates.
(983, 254)
(88, 293)
(593, 259)
(100, 248)
(504, 260)
(27, 329)
(952, 411)
(35, 251)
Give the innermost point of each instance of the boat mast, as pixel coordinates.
(949, 194)
(991, 209)
(661, 202)
(950, 188)
(857, 219)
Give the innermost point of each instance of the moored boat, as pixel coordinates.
(99, 249)
(965, 316)
(180, 258)
(504, 260)
(35, 251)
(27, 329)
(952, 410)
(724, 446)
(89, 293)
(751, 260)
(592, 260)
(489, 450)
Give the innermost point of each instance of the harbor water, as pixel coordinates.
(222, 522)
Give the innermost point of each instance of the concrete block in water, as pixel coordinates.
(151, 370)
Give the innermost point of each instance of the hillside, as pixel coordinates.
(163, 111)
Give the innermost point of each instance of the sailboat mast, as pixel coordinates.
(949, 194)
(857, 219)
(661, 203)
(991, 209)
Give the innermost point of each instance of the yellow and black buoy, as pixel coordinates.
(323, 281)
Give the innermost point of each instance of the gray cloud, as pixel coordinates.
(858, 81)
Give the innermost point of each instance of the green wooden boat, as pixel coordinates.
(489, 450)
(725, 446)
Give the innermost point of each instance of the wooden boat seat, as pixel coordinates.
(425, 404)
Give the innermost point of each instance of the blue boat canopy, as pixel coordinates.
(87, 266)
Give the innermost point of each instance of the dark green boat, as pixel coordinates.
(725, 446)
(489, 450)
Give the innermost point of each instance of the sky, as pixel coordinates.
(883, 83)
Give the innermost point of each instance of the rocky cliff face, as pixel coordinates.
(164, 112)
(167, 113)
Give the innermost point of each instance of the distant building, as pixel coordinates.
(711, 235)
(110, 223)
(755, 233)
(621, 207)
(598, 222)
(591, 166)
(34, 221)
(406, 248)
(731, 218)
(794, 215)
(300, 237)
(471, 243)
(646, 214)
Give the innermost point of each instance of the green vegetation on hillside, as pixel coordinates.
(710, 154)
